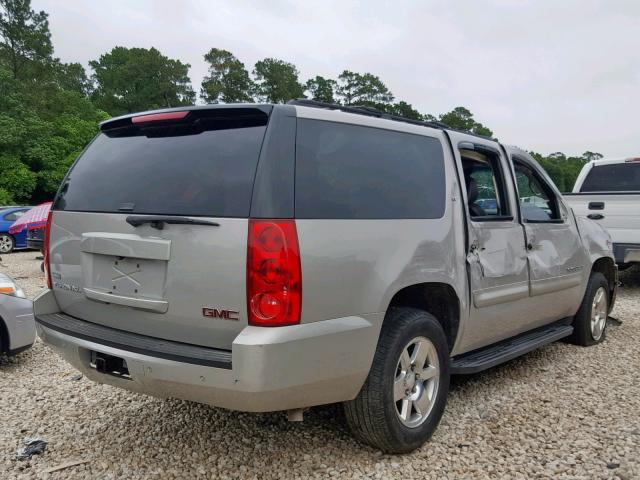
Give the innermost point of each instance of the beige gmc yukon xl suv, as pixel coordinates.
(277, 257)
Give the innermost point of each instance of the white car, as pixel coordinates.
(17, 326)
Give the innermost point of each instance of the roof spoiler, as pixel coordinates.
(184, 115)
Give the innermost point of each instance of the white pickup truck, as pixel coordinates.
(609, 191)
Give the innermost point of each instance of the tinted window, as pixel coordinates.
(537, 201)
(353, 172)
(205, 169)
(619, 177)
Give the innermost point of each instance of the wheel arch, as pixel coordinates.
(607, 267)
(438, 299)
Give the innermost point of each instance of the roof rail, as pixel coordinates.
(368, 111)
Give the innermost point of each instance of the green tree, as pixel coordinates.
(427, 117)
(564, 170)
(589, 156)
(461, 118)
(322, 89)
(404, 109)
(228, 80)
(16, 178)
(277, 81)
(363, 89)
(5, 197)
(73, 77)
(134, 79)
(25, 46)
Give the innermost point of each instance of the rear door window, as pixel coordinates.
(355, 172)
(204, 167)
(618, 177)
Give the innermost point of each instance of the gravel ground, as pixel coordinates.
(560, 412)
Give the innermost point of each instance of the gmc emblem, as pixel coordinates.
(224, 314)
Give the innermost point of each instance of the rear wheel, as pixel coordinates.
(590, 322)
(6, 243)
(405, 394)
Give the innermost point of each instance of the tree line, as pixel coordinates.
(50, 110)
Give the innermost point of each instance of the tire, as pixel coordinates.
(374, 416)
(589, 326)
(7, 243)
(4, 337)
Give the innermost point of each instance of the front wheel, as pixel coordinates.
(404, 396)
(6, 243)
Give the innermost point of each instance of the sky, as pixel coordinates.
(546, 75)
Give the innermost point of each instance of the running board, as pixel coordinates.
(501, 352)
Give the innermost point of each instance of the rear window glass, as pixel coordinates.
(201, 168)
(353, 172)
(619, 177)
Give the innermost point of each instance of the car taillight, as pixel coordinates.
(47, 255)
(274, 277)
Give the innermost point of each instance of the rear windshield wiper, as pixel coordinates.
(158, 221)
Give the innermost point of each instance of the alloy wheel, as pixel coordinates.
(6, 245)
(599, 310)
(416, 382)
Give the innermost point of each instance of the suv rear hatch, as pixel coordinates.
(149, 229)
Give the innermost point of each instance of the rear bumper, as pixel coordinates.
(270, 368)
(625, 253)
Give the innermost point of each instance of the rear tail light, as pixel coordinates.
(274, 277)
(47, 254)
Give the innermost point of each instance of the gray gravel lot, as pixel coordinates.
(560, 412)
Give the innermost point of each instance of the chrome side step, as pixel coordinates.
(501, 352)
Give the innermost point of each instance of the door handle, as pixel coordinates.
(596, 205)
(595, 216)
(529, 246)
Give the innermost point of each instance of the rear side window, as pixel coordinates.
(204, 167)
(618, 177)
(353, 172)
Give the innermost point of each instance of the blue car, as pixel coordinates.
(8, 242)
